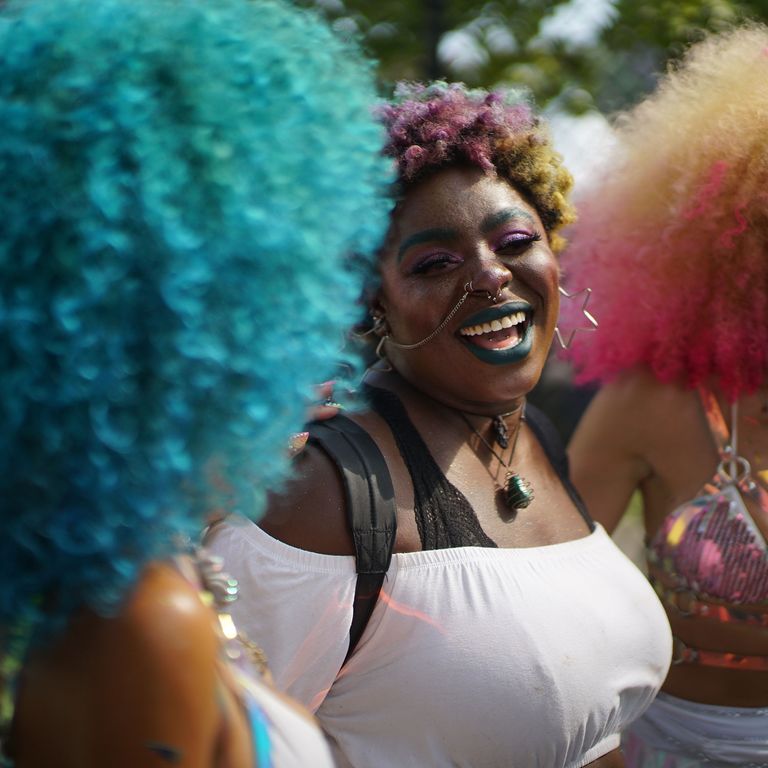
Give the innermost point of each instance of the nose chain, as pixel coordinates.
(468, 289)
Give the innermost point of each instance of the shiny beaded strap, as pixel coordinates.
(685, 654)
(686, 602)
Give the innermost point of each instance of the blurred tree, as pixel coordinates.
(645, 36)
(415, 39)
(540, 44)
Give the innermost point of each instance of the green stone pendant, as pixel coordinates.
(518, 493)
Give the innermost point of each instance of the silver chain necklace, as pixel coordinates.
(516, 492)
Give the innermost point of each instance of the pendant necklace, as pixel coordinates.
(516, 492)
(500, 431)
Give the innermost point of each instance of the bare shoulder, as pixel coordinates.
(633, 408)
(642, 384)
(162, 619)
(631, 388)
(163, 630)
(310, 512)
(165, 607)
(648, 413)
(147, 677)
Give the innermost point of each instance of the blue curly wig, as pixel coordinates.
(181, 182)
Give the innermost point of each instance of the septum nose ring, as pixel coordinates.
(493, 298)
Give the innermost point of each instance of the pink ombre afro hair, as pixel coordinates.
(673, 234)
(434, 126)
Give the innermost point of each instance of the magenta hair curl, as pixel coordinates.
(434, 126)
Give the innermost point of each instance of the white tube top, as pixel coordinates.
(531, 658)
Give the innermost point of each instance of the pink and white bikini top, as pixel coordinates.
(711, 545)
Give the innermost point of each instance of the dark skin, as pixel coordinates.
(147, 688)
(456, 226)
(150, 687)
(639, 434)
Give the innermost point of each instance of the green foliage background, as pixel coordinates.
(610, 73)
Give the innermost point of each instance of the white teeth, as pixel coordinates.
(508, 321)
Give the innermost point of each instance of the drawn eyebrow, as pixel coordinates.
(440, 234)
(493, 221)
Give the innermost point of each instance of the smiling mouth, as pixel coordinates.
(503, 332)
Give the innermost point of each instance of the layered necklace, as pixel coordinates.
(516, 492)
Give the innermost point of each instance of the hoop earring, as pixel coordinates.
(565, 343)
(381, 354)
(377, 327)
(380, 329)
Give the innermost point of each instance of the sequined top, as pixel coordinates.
(711, 545)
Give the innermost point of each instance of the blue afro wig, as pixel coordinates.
(181, 185)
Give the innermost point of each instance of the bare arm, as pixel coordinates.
(142, 689)
(606, 451)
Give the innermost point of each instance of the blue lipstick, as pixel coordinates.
(501, 356)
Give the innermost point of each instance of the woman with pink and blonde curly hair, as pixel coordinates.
(673, 240)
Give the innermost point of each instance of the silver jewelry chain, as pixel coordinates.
(388, 339)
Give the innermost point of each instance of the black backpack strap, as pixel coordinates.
(371, 511)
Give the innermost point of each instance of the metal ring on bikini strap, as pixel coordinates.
(742, 467)
(682, 654)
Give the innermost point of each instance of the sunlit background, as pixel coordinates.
(583, 60)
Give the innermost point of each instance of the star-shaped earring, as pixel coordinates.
(566, 343)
